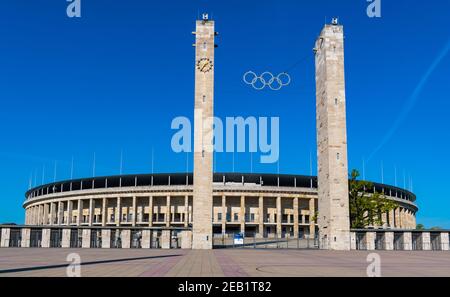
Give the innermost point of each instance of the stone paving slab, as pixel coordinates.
(219, 263)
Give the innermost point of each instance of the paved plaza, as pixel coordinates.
(224, 262)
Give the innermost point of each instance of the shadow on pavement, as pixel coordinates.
(83, 263)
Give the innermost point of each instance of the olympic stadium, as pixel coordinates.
(262, 206)
(204, 209)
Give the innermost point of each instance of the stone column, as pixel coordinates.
(46, 210)
(150, 211)
(370, 241)
(407, 241)
(312, 222)
(383, 220)
(411, 217)
(29, 216)
(353, 241)
(104, 214)
(279, 217)
(91, 211)
(106, 238)
(52, 213)
(165, 239)
(65, 241)
(6, 232)
(390, 216)
(45, 238)
(224, 214)
(35, 215)
(40, 215)
(60, 212)
(69, 212)
(126, 238)
(397, 217)
(86, 239)
(43, 214)
(407, 219)
(26, 232)
(186, 211)
(133, 222)
(30, 222)
(118, 212)
(186, 239)
(242, 215)
(407, 224)
(402, 218)
(389, 241)
(445, 241)
(261, 217)
(295, 217)
(426, 241)
(168, 212)
(80, 212)
(146, 239)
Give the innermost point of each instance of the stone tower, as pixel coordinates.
(333, 216)
(203, 134)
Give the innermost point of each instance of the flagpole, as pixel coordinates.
(121, 162)
(71, 169)
(54, 172)
(43, 174)
(93, 167)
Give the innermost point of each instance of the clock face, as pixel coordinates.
(204, 65)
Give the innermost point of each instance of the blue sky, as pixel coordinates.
(115, 78)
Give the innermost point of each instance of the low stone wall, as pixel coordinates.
(400, 240)
(169, 238)
(88, 237)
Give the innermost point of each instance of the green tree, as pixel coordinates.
(420, 227)
(366, 208)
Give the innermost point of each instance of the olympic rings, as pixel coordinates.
(267, 79)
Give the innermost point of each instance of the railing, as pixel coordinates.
(256, 242)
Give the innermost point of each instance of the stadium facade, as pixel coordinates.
(262, 204)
